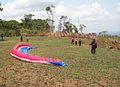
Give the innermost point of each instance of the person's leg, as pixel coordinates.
(91, 50)
(2, 37)
(72, 42)
(79, 43)
(75, 42)
(21, 38)
(94, 50)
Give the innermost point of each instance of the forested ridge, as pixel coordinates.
(27, 25)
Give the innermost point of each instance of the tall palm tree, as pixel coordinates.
(1, 9)
(50, 10)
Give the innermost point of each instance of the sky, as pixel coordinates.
(97, 15)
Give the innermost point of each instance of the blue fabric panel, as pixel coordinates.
(58, 63)
(24, 50)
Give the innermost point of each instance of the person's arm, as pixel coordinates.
(91, 43)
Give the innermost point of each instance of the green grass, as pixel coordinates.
(83, 70)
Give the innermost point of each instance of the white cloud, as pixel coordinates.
(118, 8)
(32, 4)
(92, 11)
(17, 8)
(61, 10)
(92, 14)
(86, 14)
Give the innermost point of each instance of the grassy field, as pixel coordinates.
(83, 70)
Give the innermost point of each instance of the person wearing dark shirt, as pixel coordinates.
(93, 46)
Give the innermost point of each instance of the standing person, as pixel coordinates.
(79, 42)
(2, 36)
(75, 41)
(72, 40)
(21, 38)
(94, 46)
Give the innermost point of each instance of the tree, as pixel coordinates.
(41, 25)
(68, 27)
(75, 29)
(27, 26)
(50, 10)
(10, 27)
(103, 32)
(82, 27)
(65, 25)
(27, 21)
(62, 23)
(1, 9)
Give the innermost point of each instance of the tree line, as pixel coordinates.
(31, 26)
(26, 26)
